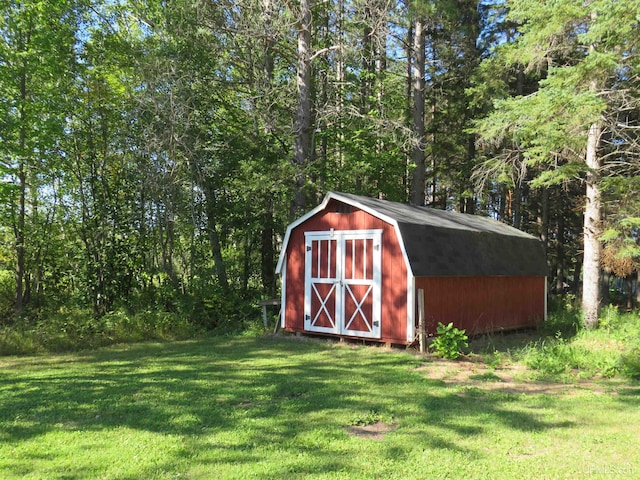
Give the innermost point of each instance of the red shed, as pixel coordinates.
(352, 267)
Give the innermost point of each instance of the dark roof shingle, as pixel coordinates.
(442, 243)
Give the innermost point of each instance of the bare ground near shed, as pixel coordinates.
(479, 371)
(472, 372)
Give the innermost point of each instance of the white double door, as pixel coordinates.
(342, 282)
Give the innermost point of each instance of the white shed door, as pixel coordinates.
(342, 282)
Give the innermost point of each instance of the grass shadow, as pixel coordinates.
(240, 401)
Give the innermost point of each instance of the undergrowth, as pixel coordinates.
(69, 330)
(63, 329)
(567, 348)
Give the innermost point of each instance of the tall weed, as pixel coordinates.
(611, 349)
(553, 356)
(564, 318)
(67, 330)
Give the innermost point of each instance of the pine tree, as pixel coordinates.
(585, 53)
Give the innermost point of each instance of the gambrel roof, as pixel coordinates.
(439, 243)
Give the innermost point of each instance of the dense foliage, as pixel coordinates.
(152, 153)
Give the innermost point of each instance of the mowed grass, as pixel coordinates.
(268, 408)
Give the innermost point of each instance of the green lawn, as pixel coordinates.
(272, 408)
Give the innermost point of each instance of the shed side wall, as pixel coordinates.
(394, 273)
(483, 304)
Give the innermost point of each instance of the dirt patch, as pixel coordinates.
(509, 379)
(374, 431)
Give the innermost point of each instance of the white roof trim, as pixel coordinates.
(348, 201)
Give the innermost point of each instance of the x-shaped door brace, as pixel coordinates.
(359, 307)
(323, 304)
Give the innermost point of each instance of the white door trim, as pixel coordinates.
(341, 286)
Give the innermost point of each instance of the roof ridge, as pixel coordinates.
(438, 218)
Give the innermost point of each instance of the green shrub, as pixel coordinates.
(449, 342)
(7, 295)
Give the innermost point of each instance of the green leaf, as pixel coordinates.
(609, 235)
(630, 222)
(557, 176)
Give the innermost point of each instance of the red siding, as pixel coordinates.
(394, 273)
(483, 304)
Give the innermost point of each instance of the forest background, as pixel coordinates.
(152, 153)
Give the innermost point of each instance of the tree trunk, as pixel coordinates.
(267, 247)
(167, 245)
(468, 202)
(267, 251)
(302, 128)
(20, 238)
(214, 242)
(381, 67)
(433, 104)
(592, 220)
(591, 232)
(408, 105)
(503, 210)
(418, 156)
(560, 267)
(340, 79)
(409, 76)
(544, 219)
(19, 225)
(517, 206)
(629, 282)
(368, 65)
(576, 286)
(214, 238)
(605, 283)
